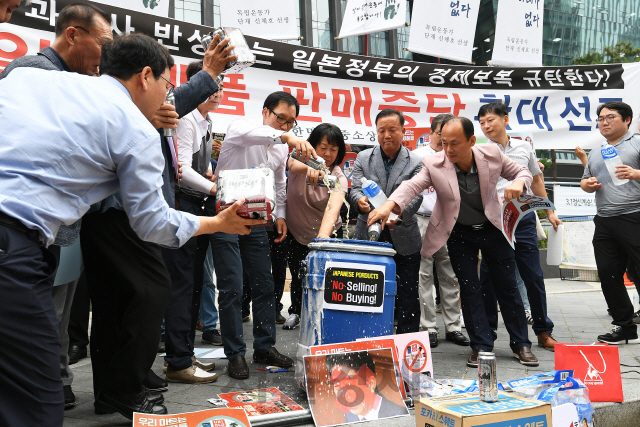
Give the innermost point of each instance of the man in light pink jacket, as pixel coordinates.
(467, 216)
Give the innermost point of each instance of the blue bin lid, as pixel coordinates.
(350, 245)
(355, 242)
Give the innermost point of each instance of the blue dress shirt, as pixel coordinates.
(70, 141)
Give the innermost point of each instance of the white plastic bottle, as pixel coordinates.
(583, 406)
(373, 192)
(611, 160)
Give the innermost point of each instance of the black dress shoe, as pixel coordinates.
(76, 353)
(155, 397)
(273, 357)
(69, 398)
(457, 337)
(433, 339)
(127, 404)
(238, 368)
(152, 382)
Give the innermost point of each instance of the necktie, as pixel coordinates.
(171, 142)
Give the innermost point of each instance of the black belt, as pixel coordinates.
(11, 222)
(476, 227)
(189, 198)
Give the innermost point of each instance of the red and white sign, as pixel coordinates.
(261, 402)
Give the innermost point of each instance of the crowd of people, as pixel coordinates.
(99, 168)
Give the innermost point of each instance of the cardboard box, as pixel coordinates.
(467, 410)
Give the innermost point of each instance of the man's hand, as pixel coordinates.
(514, 190)
(627, 172)
(208, 175)
(553, 219)
(232, 223)
(304, 150)
(363, 204)
(541, 166)
(217, 146)
(215, 58)
(580, 154)
(165, 117)
(179, 171)
(313, 176)
(590, 184)
(281, 228)
(381, 214)
(213, 190)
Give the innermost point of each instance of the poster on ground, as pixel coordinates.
(353, 387)
(261, 402)
(222, 417)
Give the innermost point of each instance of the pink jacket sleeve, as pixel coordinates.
(409, 189)
(512, 171)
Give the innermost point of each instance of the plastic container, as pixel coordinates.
(611, 160)
(373, 192)
(554, 245)
(320, 325)
(583, 406)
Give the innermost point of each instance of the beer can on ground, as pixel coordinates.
(487, 376)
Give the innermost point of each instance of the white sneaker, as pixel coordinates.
(527, 313)
(462, 320)
(292, 322)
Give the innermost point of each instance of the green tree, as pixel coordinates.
(623, 51)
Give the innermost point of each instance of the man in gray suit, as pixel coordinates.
(389, 164)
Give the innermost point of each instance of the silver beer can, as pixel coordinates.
(171, 100)
(487, 377)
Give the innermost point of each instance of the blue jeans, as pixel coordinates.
(208, 310)
(527, 259)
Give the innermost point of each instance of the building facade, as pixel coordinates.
(572, 28)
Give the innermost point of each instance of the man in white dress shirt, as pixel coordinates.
(449, 287)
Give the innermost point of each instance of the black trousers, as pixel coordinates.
(464, 244)
(30, 383)
(182, 313)
(79, 320)
(297, 253)
(616, 243)
(129, 288)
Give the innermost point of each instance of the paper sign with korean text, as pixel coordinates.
(513, 210)
(354, 287)
(518, 38)
(555, 105)
(414, 354)
(577, 246)
(352, 387)
(444, 29)
(223, 417)
(573, 201)
(371, 344)
(269, 19)
(152, 7)
(261, 402)
(367, 16)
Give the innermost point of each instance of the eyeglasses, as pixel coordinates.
(608, 118)
(100, 39)
(172, 85)
(438, 134)
(283, 121)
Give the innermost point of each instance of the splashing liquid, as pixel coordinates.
(337, 188)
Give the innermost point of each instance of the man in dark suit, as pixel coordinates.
(389, 164)
(353, 377)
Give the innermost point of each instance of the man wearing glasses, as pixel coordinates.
(617, 222)
(245, 146)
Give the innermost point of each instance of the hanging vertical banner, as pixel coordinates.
(366, 16)
(152, 7)
(444, 29)
(269, 19)
(518, 39)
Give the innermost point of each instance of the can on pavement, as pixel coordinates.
(487, 376)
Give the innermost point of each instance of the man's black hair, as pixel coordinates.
(353, 360)
(440, 118)
(194, 68)
(334, 137)
(390, 112)
(622, 108)
(467, 125)
(498, 108)
(127, 55)
(82, 14)
(274, 99)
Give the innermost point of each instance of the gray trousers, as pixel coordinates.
(62, 300)
(449, 288)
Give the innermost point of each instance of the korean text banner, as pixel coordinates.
(367, 16)
(518, 38)
(444, 29)
(269, 19)
(555, 105)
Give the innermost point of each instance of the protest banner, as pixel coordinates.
(513, 210)
(354, 287)
(518, 38)
(222, 417)
(260, 402)
(573, 201)
(366, 17)
(444, 29)
(555, 105)
(269, 19)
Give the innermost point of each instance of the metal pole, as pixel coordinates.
(554, 165)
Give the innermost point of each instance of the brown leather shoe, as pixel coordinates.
(526, 357)
(204, 366)
(190, 375)
(547, 341)
(238, 368)
(472, 362)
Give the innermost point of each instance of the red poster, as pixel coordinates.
(222, 417)
(416, 137)
(347, 165)
(261, 402)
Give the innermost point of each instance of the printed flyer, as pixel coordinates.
(261, 402)
(515, 209)
(222, 417)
